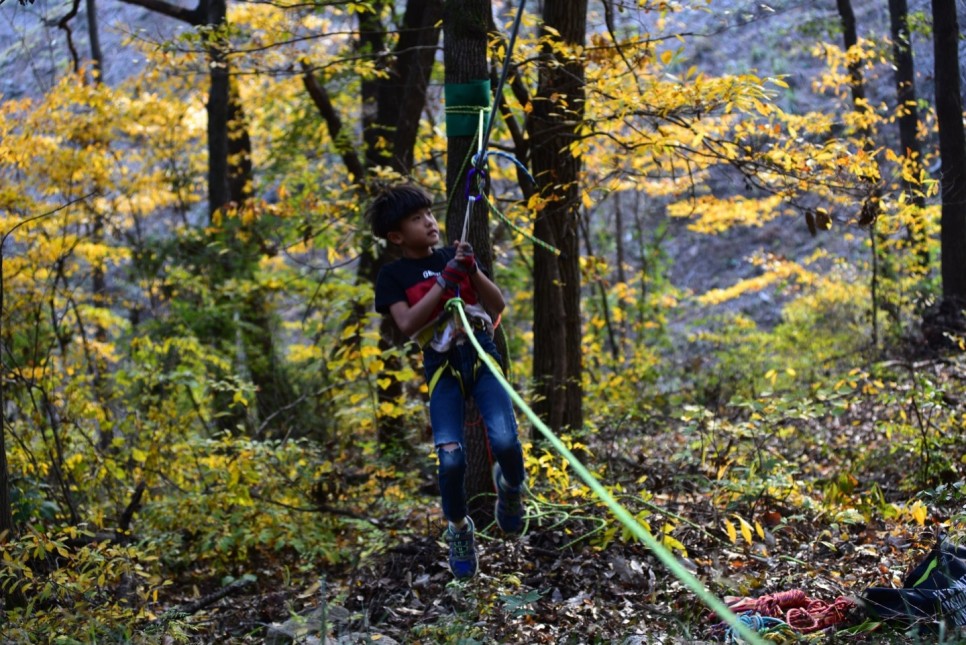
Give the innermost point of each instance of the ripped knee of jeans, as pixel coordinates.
(451, 457)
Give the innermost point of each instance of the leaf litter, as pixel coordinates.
(851, 519)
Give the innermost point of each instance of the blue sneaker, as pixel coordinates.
(509, 504)
(463, 561)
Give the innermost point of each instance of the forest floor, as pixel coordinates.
(563, 581)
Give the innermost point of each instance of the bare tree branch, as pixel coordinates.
(324, 104)
(191, 16)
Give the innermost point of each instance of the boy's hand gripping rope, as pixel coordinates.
(621, 513)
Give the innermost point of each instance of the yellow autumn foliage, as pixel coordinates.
(710, 215)
(774, 269)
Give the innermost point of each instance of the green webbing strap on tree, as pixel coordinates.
(464, 103)
(621, 513)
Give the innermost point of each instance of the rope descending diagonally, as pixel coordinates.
(622, 514)
(506, 220)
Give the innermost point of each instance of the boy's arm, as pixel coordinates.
(411, 319)
(489, 294)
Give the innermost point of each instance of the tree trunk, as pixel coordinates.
(392, 105)
(851, 40)
(391, 109)
(96, 54)
(218, 108)
(908, 118)
(239, 166)
(416, 54)
(557, 107)
(952, 150)
(465, 60)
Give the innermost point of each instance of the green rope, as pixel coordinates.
(621, 513)
(529, 236)
(459, 174)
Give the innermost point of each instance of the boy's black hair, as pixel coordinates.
(394, 203)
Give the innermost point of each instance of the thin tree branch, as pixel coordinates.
(190, 16)
(324, 104)
(63, 23)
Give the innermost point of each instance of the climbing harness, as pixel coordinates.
(476, 324)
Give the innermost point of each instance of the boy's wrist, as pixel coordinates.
(445, 284)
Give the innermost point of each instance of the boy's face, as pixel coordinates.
(417, 230)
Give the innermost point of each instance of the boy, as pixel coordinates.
(414, 290)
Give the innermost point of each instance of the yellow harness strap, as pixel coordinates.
(479, 364)
(438, 374)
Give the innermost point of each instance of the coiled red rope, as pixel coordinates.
(796, 608)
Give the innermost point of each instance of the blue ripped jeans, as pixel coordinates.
(464, 375)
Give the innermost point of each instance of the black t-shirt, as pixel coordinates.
(409, 279)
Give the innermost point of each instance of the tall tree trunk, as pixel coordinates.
(908, 112)
(952, 150)
(391, 109)
(218, 108)
(416, 54)
(96, 54)
(557, 107)
(851, 40)
(465, 61)
(881, 263)
(392, 105)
